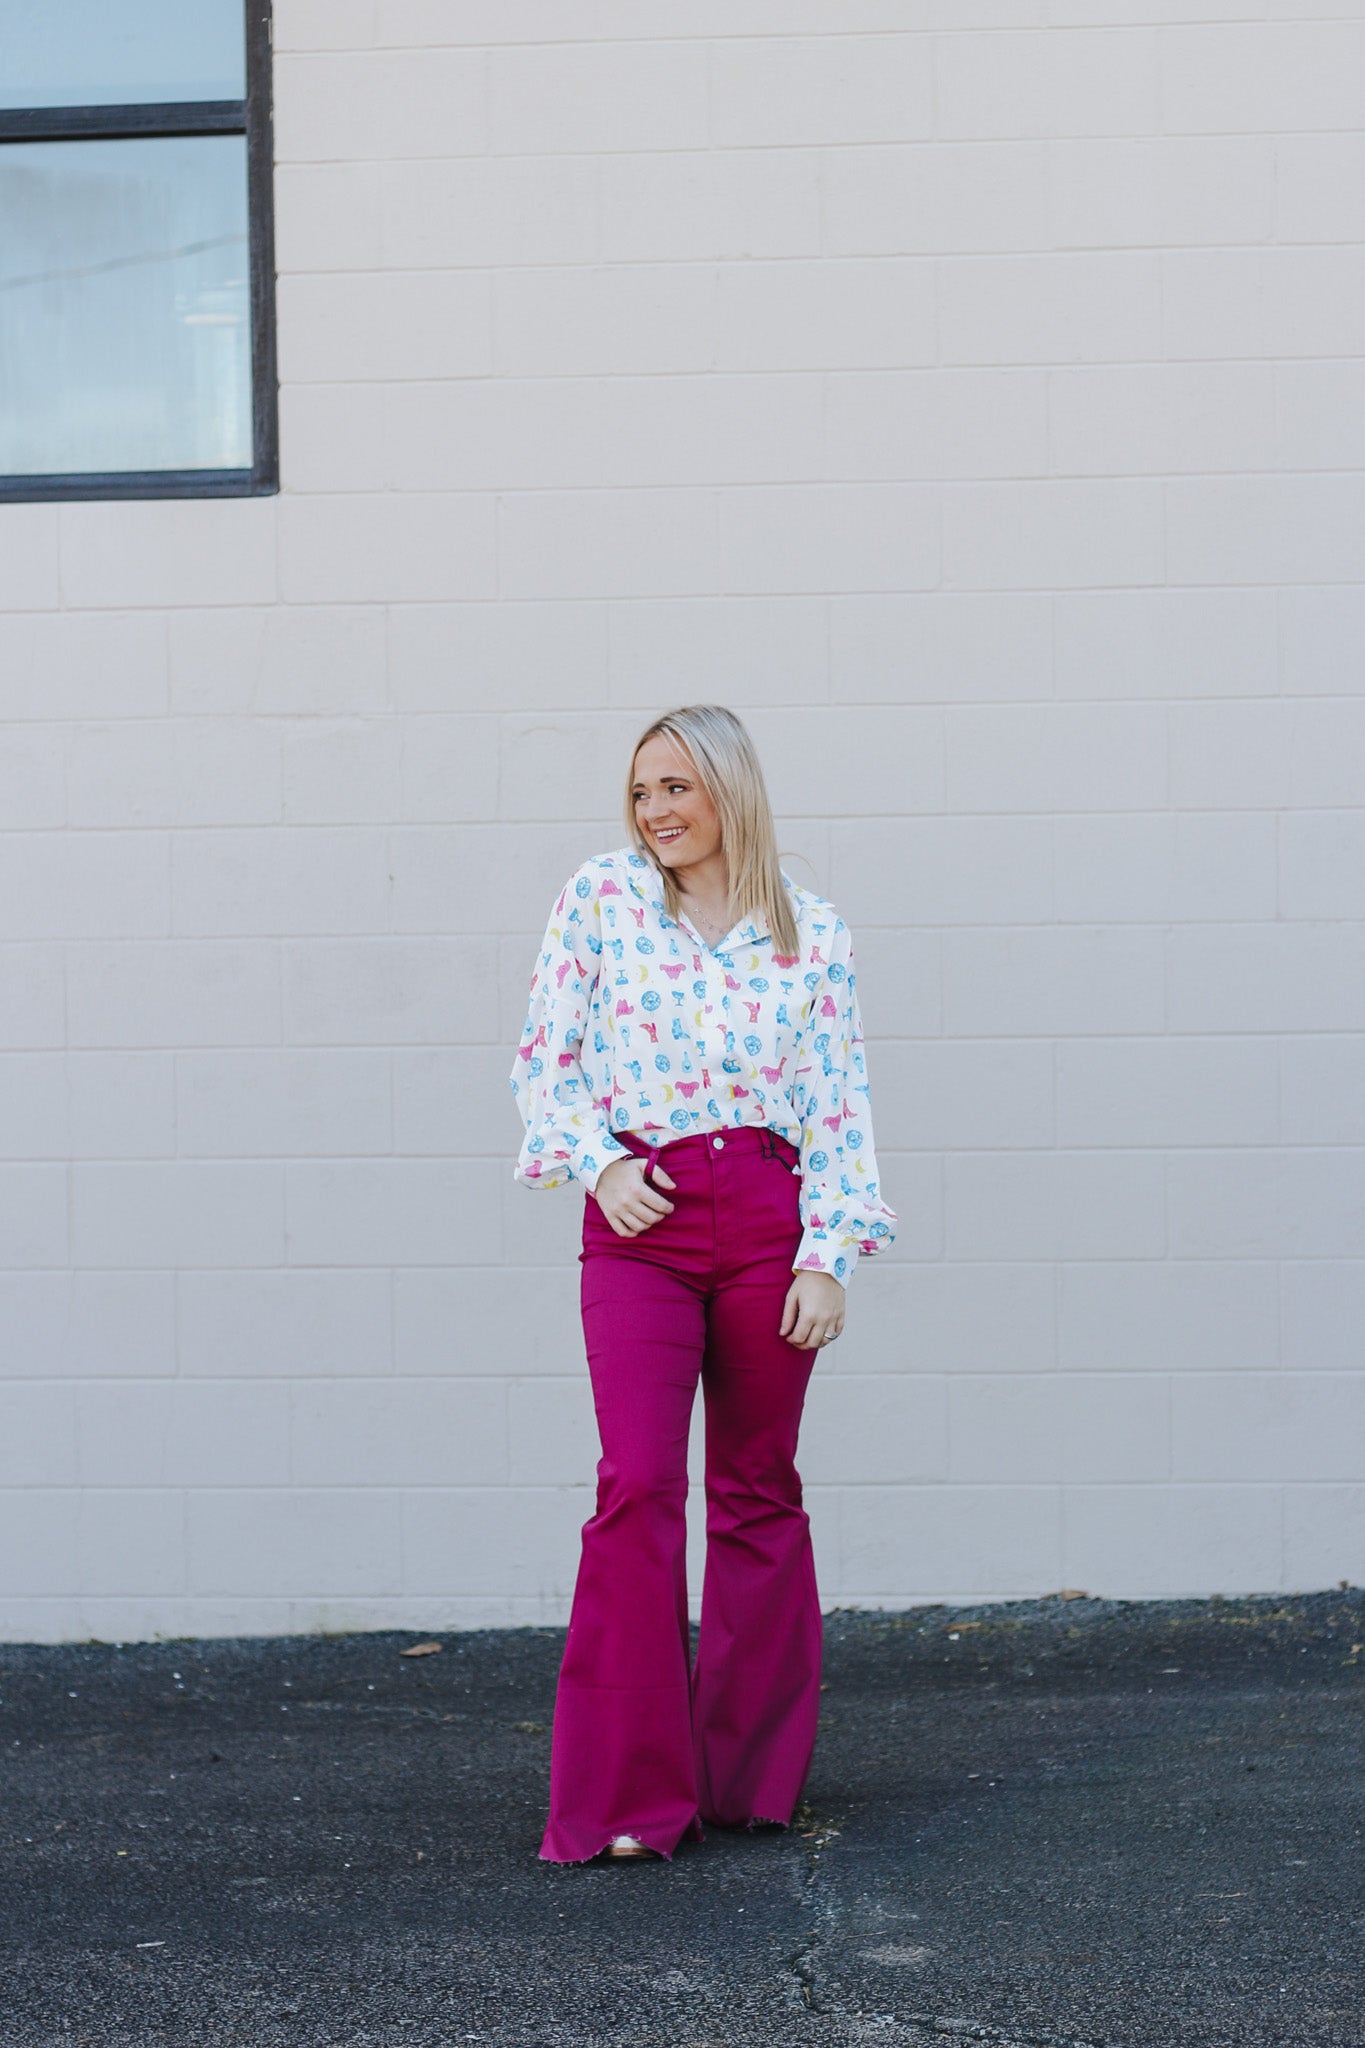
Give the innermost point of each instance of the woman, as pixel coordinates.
(693, 1055)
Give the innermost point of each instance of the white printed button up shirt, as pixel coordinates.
(637, 1024)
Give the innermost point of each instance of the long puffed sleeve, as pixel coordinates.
(842, 1213)
(567, 1134)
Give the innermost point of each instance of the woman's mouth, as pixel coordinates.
(673, 832)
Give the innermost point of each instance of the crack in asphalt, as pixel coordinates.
(818, 1834)
(968, 2030)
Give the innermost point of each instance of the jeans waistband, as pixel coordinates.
(750, 1137)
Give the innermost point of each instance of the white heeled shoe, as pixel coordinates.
(627, 1845)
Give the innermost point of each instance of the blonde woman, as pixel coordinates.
(693, 1055)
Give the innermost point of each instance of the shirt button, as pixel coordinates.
(718, 1143)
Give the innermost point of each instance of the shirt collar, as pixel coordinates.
(648, 883)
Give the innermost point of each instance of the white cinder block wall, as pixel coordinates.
(970, 392)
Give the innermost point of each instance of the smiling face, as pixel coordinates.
(674, 813)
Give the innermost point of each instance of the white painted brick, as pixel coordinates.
(1115, 1427)
(1094, 305)
(710, 205)
(33, 778)
(227, 883)
(315, 659)
(37, 1122)
(945, 871)
(33, 1000)
(938, 1538)
(539, 21)
(1320, 415)
(775, 90)
(38, 1537)
(403, 546)
(1299, 1202)
(328, 216)
(1005, 1427)
(1212, 303)
(355, 107)
(275, 1103)
(492, 1540)
(1322, 1090)
(878, 1429)
(385, 990)
(829, 315)
(937, 646)
(160, 1213)
(122, 993)
(604, 320)
(1172, 1541)
(398, 1432)
(169, 551)
(1324, 1536)
(30, 578)
(1320, 186)
(343, 327)
(1073, 979)
(160, 1433)
(122, 1104)
(552, 1431)
(467, 1319)
(898, 982)
(509, 434)
(1044, 757)
(959, 1095)
(1206, 739)
(1285, 977)
(37, 1435)
(932, 424)
(1252, 76)
(952, 1317)
(1065, 534)
(69, 665)
(389, 1212)
(1160, 189)
(495, 212)
(450, 769)
(724, 430)
(1264, 529)
(344, 771)
(571, 758)
(1328, 758)
(86, 1325)
(1161, 419)
(1193, 1091)
(332, 437)
(1322, 864)
(1117, 13)
(284, 1325)
(465, 656)
(313, 1540)
(1321, 632)
(1044, 83)
(598, 97)
(951, 198)
(1313, 301)
(833, 537)
(85, 885)
(748, 651)
(1166, 643)
(1181, 1315)
(1270, 1426)
(1046, 1205)
(1166, 870)
(449, 1100)
(323, 24)
(176, 772)
(560, 544)
(888, 759)
(130, 1541)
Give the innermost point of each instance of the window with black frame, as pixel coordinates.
(137, 275)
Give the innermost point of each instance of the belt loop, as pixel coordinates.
(769, 1148)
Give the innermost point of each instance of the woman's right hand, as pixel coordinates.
(627, 1201)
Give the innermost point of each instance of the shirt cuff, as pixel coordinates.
(595, 1155)
(820, 1253)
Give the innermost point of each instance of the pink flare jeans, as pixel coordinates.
(643, 1744)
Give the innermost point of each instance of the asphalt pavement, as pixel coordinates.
(1052, 1823)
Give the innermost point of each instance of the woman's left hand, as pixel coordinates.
(813, 1312)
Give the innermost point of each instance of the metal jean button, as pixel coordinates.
(718, 1143)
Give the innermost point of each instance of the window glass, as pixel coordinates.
(75, 53)
(125, 332)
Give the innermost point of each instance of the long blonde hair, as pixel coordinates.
(728, 769)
